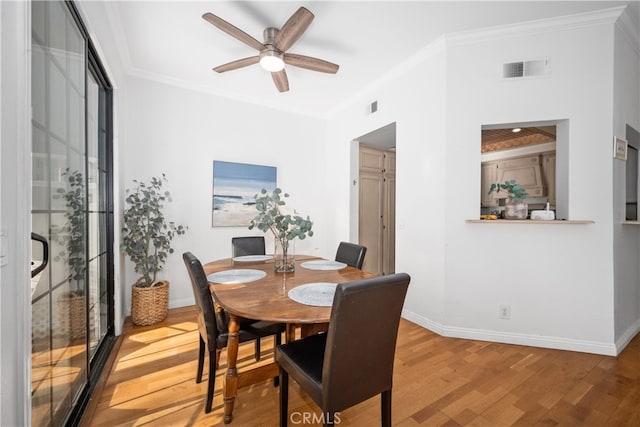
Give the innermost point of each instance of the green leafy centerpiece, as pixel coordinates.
(285, 227)
(516, 206)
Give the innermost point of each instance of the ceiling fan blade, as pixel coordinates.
(234, 65)
(281, 80)
(232, 31)
(293, 29)
(311, 63)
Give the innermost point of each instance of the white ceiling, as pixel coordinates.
(169, 41)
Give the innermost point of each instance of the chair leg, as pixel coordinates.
(212, 382)
(386, 408)
(278, 341)
(257, 350)
(200, 361)
(284, 398)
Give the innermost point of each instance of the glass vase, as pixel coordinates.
(284, 256)
(516, 209)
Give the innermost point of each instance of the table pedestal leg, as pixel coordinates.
(290, 332)
(231, 378)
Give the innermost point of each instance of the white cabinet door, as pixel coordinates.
(371, 160)
(488, 177)
(525, 171)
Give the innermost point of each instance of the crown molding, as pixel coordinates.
(438, 46)
(630, 28)
(203, 89)
(561, 23)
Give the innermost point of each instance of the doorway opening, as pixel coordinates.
(376, 198)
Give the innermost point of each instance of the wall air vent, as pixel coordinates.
(373, 107)
(538, 67)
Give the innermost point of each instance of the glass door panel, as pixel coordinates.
(96, 164)
(59, 213)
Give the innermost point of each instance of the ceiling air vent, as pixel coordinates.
(538, 67)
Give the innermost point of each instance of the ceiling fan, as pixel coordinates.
(273, 55)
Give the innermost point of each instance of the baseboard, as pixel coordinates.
(628, 335)
(595, 347)
(181, 303)
(426, 323)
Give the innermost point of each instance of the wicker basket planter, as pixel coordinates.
(71, 316)
(149, 305)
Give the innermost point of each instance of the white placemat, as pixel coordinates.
(319, 294)
(252, 258)
(230, 277)
(323, 264)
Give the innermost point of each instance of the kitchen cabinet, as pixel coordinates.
(489, 176)
(371, 160)
(377, 209)
(549, 175)
(534, 172)
(525, 171)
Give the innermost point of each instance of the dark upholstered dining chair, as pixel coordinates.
(351, 254)
(249, 245)
(353, 361)
(213, 327)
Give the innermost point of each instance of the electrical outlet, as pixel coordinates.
(504, 312)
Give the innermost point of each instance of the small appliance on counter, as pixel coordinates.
(545, 215)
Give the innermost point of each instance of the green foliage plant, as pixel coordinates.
(147, 235)
(72, 234)
(285, 227)
(514, 190)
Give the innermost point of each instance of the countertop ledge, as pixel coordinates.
(529, 221)
(631, 222)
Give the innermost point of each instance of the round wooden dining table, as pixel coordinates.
(268, 299)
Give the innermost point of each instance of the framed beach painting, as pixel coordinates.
(234, 188)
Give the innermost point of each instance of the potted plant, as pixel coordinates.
(146, 239)
(71, 238)
(285, 227)
(516, 206)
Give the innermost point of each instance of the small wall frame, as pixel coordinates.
(619, 148)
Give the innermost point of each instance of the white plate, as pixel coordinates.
(230, 277)
(318, 294)
(252, 258)
(323, 264)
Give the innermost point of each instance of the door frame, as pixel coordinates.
(15, 217)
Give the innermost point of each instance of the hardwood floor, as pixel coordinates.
(437, 381)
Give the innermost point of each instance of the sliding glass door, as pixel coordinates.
(72, 295)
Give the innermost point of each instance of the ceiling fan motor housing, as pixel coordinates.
(271, 59)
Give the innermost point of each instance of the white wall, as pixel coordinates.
(627, 237)
(413, 96)
(558, 279)
(181, 132)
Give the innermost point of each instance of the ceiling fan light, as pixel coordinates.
(271, 61)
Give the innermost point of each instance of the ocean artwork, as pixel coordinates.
(234, 188)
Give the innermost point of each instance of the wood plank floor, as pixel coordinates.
(437, 382)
